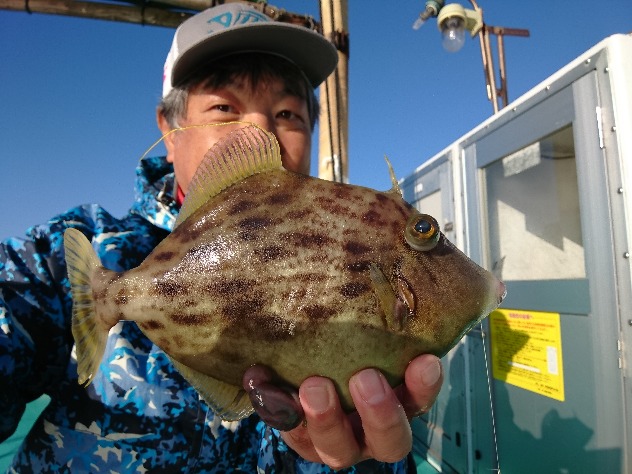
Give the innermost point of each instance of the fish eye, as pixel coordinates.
(422, 232)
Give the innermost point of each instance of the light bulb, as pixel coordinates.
(453, 33)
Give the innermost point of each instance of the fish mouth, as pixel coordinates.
(501, 292)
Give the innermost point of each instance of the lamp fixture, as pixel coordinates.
(453, 20)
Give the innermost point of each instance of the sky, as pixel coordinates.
(78, 96)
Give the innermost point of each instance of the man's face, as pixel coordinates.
(267, 105)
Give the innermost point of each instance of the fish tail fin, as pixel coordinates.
(90, 337)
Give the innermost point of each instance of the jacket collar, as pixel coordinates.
(154, 192)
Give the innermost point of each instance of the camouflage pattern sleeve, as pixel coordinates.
(35, 338)
(275, 456)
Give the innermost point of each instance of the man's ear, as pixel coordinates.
(165, 128)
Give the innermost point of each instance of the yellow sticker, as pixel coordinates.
(527, 350)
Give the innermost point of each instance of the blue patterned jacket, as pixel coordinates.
(139, 414)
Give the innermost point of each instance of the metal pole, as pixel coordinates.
(333, 128)
(488, 65)
(168, 13)
(503, 74)
(123, 13)
(493, 92)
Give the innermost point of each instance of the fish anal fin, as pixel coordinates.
(242, 153)
(228, 401)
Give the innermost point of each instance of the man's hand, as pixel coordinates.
(380, 427)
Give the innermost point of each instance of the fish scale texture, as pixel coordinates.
(139, 414)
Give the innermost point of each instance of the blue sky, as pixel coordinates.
(78, 96)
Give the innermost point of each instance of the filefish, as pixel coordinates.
(297, 274)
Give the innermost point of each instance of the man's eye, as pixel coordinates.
(289, 115)
(222, 108)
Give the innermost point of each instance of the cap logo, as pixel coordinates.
(242, 17)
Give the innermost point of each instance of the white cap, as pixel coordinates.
(238, 28)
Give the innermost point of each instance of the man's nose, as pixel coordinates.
(262, 120)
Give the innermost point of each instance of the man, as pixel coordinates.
(228, 63)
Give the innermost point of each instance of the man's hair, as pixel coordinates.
(255, 68)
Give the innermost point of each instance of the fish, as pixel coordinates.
(298, 274)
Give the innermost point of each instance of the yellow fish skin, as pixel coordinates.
(301, 275)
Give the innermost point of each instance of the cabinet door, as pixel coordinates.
(542, 222)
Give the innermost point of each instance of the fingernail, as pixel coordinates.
(317, 398)
(431, 372)
(370, 386)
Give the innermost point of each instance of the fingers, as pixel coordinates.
(380, 427)
(328, 428)
(422, 383)
(387, 433)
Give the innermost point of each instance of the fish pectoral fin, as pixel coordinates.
(229, 402)
(394, 309)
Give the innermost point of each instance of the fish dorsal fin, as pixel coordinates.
(242, 153)
(395, 189)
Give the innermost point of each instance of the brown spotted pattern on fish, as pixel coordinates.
(324, 280)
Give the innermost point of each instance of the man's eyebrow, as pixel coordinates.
(292, 91)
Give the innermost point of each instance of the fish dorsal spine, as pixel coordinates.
(242, 153)
(395, 189)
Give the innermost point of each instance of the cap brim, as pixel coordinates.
(310, 51)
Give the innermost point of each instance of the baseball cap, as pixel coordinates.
(238, 28)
